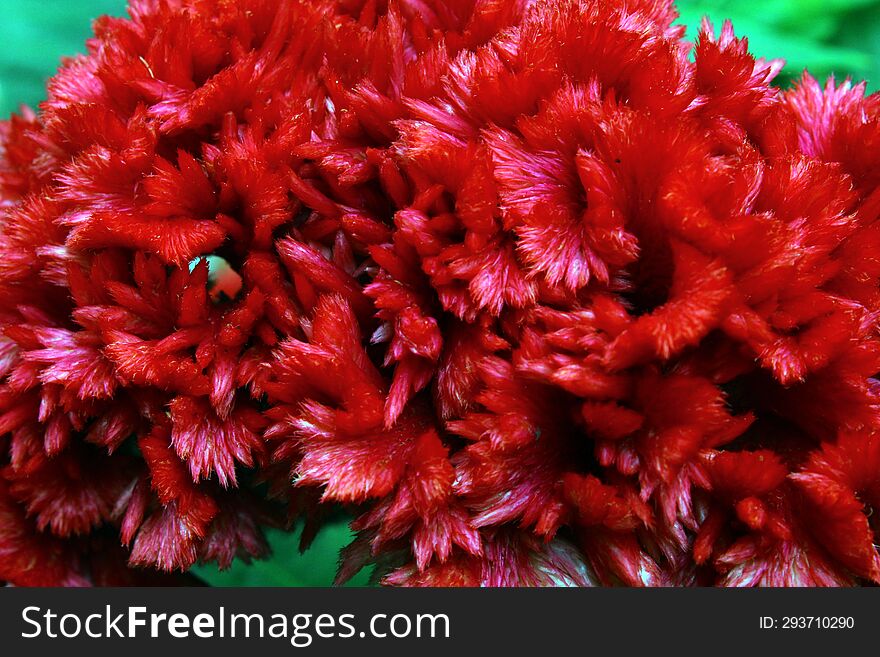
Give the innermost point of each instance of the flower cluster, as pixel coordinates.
(540, 296)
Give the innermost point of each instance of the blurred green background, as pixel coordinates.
(825, 36)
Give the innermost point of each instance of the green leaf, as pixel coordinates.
(36, 34)
(286, 566)
(775, 33)
(862, 31)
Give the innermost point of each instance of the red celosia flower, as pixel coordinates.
(541, 298)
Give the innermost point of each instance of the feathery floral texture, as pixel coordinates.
(537, 295)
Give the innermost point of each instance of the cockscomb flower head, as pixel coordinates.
(540, 292)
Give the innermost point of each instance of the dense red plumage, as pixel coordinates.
(540, 298)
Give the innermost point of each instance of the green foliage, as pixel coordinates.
(36, 34)
(840, 37)
(286, 566)
(825, 36)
